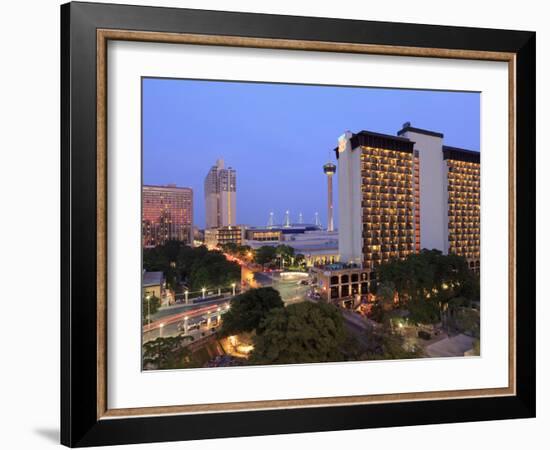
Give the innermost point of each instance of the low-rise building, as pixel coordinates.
(153, 284)
(263, 235)
(346, 285)
(318, 246)
(216, 237)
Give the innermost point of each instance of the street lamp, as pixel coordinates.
(185, 325)
(203, 292)
(186, 296)
(233, 286)
(148, 298)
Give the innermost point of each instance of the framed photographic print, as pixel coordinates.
(277, 224)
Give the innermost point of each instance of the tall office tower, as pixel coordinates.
(375, 198)
(220, 189)
(167, 214)
(329, 169)
(449, 195)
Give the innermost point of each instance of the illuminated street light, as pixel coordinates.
(186, 296)
(185, 325)
(148, 298)
(203, 292)
(233, 286)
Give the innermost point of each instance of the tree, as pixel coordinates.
(383, 344)
(285, 253)
(433, 278)
(466, 320)
(300, 333)
(384, 303)
(150, 304)
(300, 260)
(476, 347)
(247, 311)
(197, 266)
(265, 254)
(230, 247)
(165, 352)
(423, 311)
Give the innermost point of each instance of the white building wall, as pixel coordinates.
(228, 204)
(211, 210)
(350, 236)
(433, 191)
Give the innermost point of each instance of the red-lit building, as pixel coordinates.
(167, 214)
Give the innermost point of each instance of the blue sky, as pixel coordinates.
(278, 136)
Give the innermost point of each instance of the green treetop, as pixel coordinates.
(248, 309)
(300, 333)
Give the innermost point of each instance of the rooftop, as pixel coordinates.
(408, 127)
(167, 187)
(460, 154)
(379, 140)
(152, 278)
(387, 141)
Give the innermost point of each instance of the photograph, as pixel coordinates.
(297, 224)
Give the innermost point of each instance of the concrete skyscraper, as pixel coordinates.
(330, 170)
(220, 194)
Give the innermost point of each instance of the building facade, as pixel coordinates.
(216, 237)
(449, 195)
(153, 284)
(220, 193)
(396, 196)
(344, 284)
(463, 189)
(263, 235)
(167, 214)
(376, 198)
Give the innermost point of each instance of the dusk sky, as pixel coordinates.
(278, 136)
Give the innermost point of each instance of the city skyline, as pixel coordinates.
(235, 121)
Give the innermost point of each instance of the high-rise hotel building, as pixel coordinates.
(167, 214)
(449, 195)
(376, 198)
(220, 192)
(398, 195)
(463, 181)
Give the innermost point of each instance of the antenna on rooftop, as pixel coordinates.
(287, 219)
(317, 221)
